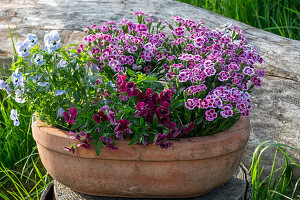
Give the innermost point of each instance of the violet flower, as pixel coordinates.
(112, 117)
(15, 117)
(31, 39)
(70, 116)
(100, 116)
(23, 48)
(122, 128)
(131, 89)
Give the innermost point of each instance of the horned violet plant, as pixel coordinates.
(132, 80)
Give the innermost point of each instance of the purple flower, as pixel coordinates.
(210, 71)
(173, 132)
(84, 144)
(210, 115)
(104, 108)
(112, 147)
(224, 76)
(131, 90)
(161, 141)
(70, 116)
(122, 128)
(121, 82)
(100, 116)
(184, 75)
(179, 31)
(112, 117)
(234, 67)
(260, 73)
(106, 140)
(141, 28)
(165, 96)
(188, 128)
(70, 149)
(141, 109)
(195, 88)
(227, 111)
(199, 41)
(249, 71)
(236, 81)
(140, 13)
(123, 97)
(256, 81)
(162, 111)
(191, 103)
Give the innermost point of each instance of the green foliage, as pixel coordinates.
(278, 184)
(27, 184)
(16, 142)
(281, 17)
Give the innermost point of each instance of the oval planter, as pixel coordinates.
(192, 167)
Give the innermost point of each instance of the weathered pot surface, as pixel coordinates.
(192, 167)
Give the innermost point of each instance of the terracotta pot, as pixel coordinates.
(192, 167)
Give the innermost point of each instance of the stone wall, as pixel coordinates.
(277, 101)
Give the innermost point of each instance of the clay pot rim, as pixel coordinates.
(56, 139)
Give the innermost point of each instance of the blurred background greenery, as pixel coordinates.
(281, 17)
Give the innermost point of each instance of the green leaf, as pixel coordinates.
(76, 126)
(136, 122)
(171, 27)
(155, 120)
(76, 96)
(110, 88)
(181, 90)
(131, 72)
(179, 104)
(133, 140)
(141, 121)
(73, 51)
(97, 148)
(151, 79)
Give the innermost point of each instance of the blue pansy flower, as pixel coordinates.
(38, 59)
(23, 48)
(20, 98)
(31, 39)
(43, 84)
(59, 92)
(35, 78)
(17, 79)
(4, 86)
(52, 41)
(62, 63)
(60, 112)
(15, 117)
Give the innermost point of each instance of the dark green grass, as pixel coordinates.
(281, 17)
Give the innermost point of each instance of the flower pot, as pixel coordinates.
(192, 167)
